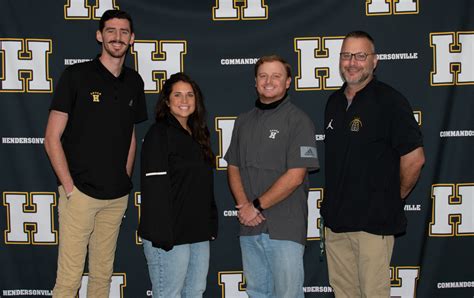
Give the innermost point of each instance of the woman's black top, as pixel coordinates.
(177, 191)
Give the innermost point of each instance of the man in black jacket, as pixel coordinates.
(374, 155)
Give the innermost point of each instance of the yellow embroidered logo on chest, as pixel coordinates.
(355, 124)
(95, 96)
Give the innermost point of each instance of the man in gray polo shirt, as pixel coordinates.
(272, 148)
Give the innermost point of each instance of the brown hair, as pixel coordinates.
(273, 58)
(196, 121)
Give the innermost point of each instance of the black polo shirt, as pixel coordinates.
(363, 145)
(102, 111)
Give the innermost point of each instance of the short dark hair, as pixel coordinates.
(115, 14)
(360, 34)
(273, 58)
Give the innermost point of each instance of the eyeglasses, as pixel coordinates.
(358, 56)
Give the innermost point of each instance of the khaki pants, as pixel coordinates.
(359, 264)
(85, 222)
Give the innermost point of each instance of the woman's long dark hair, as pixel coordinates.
(196, 121)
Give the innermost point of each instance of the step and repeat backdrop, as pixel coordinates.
(425, 50)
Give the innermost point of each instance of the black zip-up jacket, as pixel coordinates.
(177, 191)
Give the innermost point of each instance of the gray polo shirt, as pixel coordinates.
(264, 145)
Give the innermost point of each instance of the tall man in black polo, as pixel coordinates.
(374, 155)
(90, 140)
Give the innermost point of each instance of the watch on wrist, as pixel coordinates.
(256, 204)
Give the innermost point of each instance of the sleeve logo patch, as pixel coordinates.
(308, 152)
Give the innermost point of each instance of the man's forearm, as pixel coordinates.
(410, 168)
(131, 154)
(247, 214)
(283, 187)
(52, 142)
(58, 160)
(236, 186)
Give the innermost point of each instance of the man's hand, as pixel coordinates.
(68, 189)
(248, 215)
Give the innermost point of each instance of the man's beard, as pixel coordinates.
(362, 76)
(116, 54)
